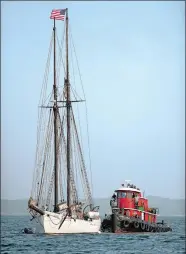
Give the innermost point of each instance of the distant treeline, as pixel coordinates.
(167, 207)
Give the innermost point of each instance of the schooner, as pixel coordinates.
(55, 200)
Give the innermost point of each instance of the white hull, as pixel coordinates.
(50, 223)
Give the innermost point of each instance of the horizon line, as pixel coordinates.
(181, 198)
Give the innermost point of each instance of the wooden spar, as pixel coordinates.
(33, 205)
(35, 208)
(55, 110)
(68, 106)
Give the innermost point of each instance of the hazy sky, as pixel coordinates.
(132, 60)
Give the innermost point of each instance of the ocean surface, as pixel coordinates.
(14, 241)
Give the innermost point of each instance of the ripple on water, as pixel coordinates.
(13, 241)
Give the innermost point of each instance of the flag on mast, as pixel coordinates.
(58, 14)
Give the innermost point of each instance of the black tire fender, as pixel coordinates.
(151, 229)
(142, 225)
(163, 229)
(147, 227)
(158, 229)
(126, 223)
(136, 224)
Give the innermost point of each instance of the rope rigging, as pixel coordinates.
(40, 116)
(90, 164)
(43, 179)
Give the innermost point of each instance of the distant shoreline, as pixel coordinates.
(149, 196)
(167, 207)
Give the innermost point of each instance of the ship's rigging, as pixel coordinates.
(60, 171)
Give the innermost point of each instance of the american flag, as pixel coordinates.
(58, 14)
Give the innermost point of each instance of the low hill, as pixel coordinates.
(167, 207)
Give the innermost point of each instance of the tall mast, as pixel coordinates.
(68, 106)
(55, 110)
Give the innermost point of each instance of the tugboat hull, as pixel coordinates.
(115, 224)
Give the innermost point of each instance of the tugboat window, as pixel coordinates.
(129, 194)
(119, 194)
(123, 195)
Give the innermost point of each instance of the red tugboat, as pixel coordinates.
(131, 213)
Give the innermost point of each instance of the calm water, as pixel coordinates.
(13, 241)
